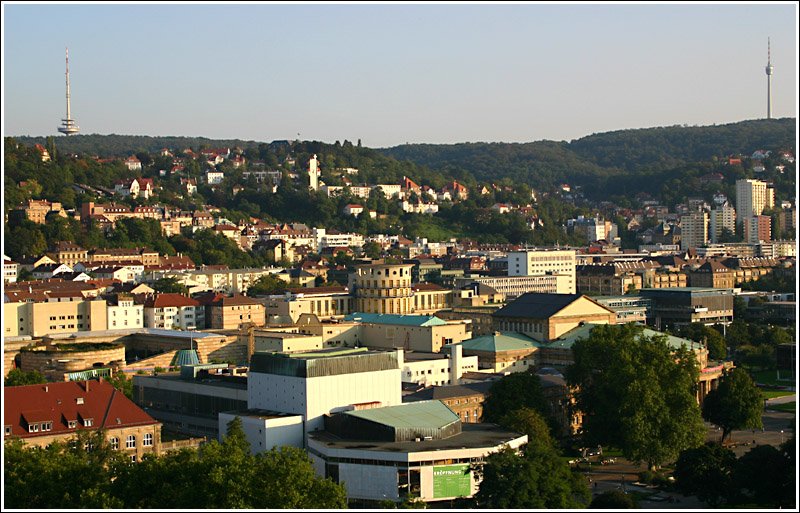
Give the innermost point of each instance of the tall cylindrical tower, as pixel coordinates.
(769, 70)
(68, 126)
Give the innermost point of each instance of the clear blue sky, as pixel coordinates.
(394, 73)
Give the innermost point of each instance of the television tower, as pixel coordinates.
(769, 69)
(68, 126)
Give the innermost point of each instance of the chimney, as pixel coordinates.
(87, 385)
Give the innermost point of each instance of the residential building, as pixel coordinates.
(53, 313)
(541, 262)
(42, 414)
(123, 313)
(236, 311)
(713, 274)
(173, 311)
(10, 270)
(70, 254)
(752, 198)
(757, 229)
(722, 217)
(694, 230)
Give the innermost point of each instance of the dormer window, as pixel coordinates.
(72, 424)
(79, 400)
(8, 430)
(87, 422)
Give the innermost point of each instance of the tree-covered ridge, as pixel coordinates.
(668, 147)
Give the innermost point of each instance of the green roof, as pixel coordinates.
(421, 415)
(405, 320)
(569, 338)
(498, 341)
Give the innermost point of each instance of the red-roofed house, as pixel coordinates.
(135, 187)
(353, 210)
(42, 414)
(133, 163)
(173, 311)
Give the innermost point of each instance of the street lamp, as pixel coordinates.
(781, 437)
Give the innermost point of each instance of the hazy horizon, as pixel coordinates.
(391, 74)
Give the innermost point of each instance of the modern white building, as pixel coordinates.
(538, 262)
(320, 383)
(752, 197)
(437, 369)
(418, 449)
(215, 177)
(266, 429)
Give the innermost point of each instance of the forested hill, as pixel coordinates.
(668, 147)
(602, 155)
(114, 145)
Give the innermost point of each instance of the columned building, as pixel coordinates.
(384, 288)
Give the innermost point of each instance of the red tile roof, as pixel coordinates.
(169, 300)
(70, 400)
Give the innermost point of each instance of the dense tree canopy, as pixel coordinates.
(220, 475)
(17, 377)
(707, 472)
(735, 403)
(637, 393)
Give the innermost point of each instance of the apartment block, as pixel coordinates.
(542, 262)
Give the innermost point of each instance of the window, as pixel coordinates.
(114, 441)
(130, 443)
(72, 424)
(8, 430)
(133, 458)
(47, 426)
(87, 422)
(148, 440)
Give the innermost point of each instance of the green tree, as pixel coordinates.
(707, 472)
(637, 393)
(512, 392)
(18, 377)
(736, 403)
(529, 422)
(72, 475)
(121, 382)
(170, 285)
(536, 479)
(762, 475)
(613, 500)
(267, 285)
(707, 335)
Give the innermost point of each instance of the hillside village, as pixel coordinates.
(372, 348)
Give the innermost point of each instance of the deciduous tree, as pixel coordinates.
(637, 393)
(736, 403)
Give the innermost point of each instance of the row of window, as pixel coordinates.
(63, 317)
(35, 427)
(130, 441)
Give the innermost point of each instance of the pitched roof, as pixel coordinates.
(449, 392)
(64, 401)
(498, 342)
(537, 306)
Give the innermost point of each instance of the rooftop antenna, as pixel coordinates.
(68, 126)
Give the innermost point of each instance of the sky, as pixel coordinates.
(393, 73)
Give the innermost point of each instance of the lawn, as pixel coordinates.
(772, 394)
(769, 377)
(787, 407)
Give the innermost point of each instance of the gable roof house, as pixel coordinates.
(42, 414)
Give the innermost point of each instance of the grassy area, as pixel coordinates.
(787, 407)
(772, 394)
(769, 377)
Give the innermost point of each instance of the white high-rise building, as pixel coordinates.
(752, 197)
(722, 217)
(313, 173)
(541, 262)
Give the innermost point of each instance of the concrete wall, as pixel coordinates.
(264, 432)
